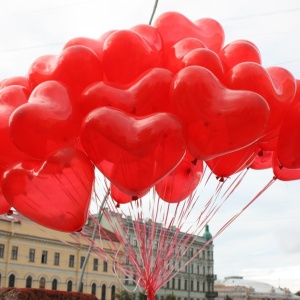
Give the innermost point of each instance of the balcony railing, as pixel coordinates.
(211, 277)
(211, 294)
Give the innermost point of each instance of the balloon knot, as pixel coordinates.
(194, 162)
(275, 177)
(117, 205)
(222, 179)
(134, 198)
(10, 212)
(260, 153)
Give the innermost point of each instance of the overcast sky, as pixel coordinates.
(264, 242)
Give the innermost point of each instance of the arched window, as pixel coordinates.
(11, 280)
(113, 293)
(54, 284)
(69, 286)
(103, 292)
(42, 283)
(28, 282)
(94, 289)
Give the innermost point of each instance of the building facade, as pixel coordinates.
(193, 281)
(33, 256)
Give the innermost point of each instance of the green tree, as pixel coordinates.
(142, 296)
(297, 293)
(124, 295)
(171, 297)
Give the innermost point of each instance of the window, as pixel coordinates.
(179, 284)
(82, 259)
(56, 259)
(203, 287)
(11, 280)
(113, 293)
(69, 285)
(95, 264)
(28, 282)
(105, 266)
(198, 286)
(44, 257)
(192, 269)
(185, 284)
(42, 283)
(192, 285)
(14, 252)
(54, 284)
(103, 292)
(31, 255)
(173, 283)
(94, 289)
(1, 250)
(126, 280)
(203, 254)
(71, 261)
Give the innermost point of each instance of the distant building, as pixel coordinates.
(194, 282)
(37, 257)
(238, 288)
(33, 256)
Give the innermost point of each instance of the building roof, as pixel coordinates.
(256, 287)
(87, 230)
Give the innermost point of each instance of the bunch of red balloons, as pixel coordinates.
(147, 107)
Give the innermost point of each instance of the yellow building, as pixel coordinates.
(37, 257)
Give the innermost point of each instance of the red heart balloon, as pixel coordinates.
(151, 35)
(282, 173)
(217, 118)
(94, 44)
(4, 205)
(263, 160)
(134, 153)
(77, 66)
(288, 148)
(17, 80)
(192, 52)
(49, 121)
(174, 27)
(181, 182)
(126, 55)
(275, 84)
(55, 193)
(122, 198)
(149, 94)
(237, 52)
(11, 97)
(234, 162)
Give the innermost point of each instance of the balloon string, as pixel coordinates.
(153, 12)
(100, 214)
(244, 208)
